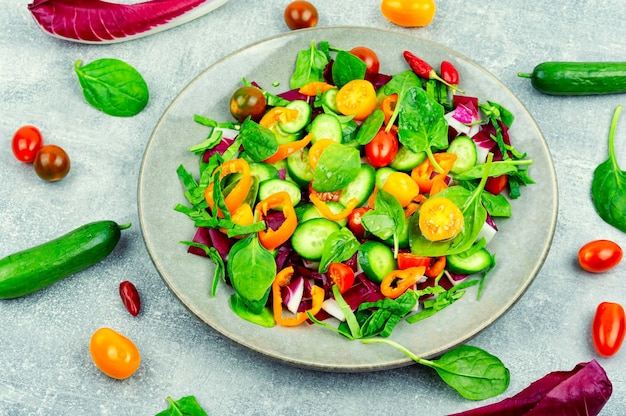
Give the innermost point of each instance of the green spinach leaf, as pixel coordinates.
(337, 166)
(608, 189)
(258, 141)
(310, 65)
(400, 84)
(386, 220)
(370, 127)
(113, 86)
(263, 318)
(185, 406)
(251, 268)
(346, 68)
(339, 246)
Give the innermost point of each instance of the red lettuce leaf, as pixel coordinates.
(582, 391)
(97, 21)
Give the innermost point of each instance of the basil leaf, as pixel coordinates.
(112, 86)
(346, 68)
(608, 189)
(337, 166)
(252, 270)
(258, 141)
(339, 246)
(310, 65)
(187, 405)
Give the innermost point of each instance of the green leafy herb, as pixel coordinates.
(310, 65)
(608, 189)
(338, 165)
(346, 68)
(263, 318)
(113, 86)
(444, 299)
(473, 372)
(214, 255)
(338, 247)
(400, 84)
(185, 406)
(258, 141)
(387, 314)
(370, 127)
(386, 220)
(252, 269)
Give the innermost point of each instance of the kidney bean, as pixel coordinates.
(130, 297)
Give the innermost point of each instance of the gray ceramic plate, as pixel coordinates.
(521, 245)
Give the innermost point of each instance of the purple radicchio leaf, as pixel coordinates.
(582, 391)
(97, 21)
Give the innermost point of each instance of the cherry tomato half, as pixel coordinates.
(354, 222)
(496, 184)
(52, 163)
(599, 256)
(382, 149)
(26, 142)
(248, 101)
(368, 56)
(342, 275)
(409, 13)
(114, 354)
(608, 328)
(357, 98)
(300, 15)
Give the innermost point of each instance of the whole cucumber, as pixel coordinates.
(578, 78)
(33, 269)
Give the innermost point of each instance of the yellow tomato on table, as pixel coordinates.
(409, 13)
(114, 354)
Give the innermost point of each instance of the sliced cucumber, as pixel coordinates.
(282, 137)
(376, 260)
(271, 186)
(381, 176)
(299, 168)
(329, 100)
(309, 237)
(465, 150)
(310, 211)
(474, 263)
(326, 126)
(263, 171)
(304, 116)
(406, 160)
(361, 187)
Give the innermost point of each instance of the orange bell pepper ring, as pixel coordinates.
(271, 239)
(282, 279)
(278, 115)
(388, 106)
(425, 173)
(239, 193)
(315, 152)
(315, 87)
(287, 149)
(326, 212)
(399, 281)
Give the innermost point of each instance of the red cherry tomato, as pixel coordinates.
(248, 101)
(608, 328)
(599, 256)
(354, 222)
(382, 149)
(300, 15)
(52, 163)
(496, 184)
(26, 142)
(368, 56)
(342, 275)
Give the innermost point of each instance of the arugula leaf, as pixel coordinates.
(185, 406)
(310, 65)
(338, 165)
(338, 247)
(258, 141)
(608, 189)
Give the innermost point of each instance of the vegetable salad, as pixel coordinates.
(355, 199)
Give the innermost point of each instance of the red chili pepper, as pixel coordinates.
(449, 73)
(130, 297)
(423, 68)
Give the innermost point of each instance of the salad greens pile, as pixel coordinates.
(314, 212)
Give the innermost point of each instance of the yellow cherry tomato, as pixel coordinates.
(402, 187)
(114, 354)
(440, 219)
(357, 98)
(409, 13)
